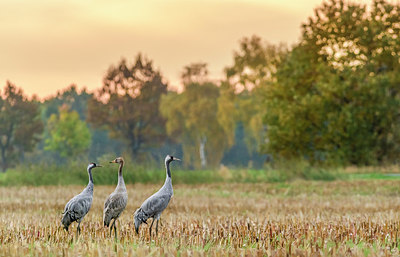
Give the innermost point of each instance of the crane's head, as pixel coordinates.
(93, 165)
(118, 160)
(171, 158)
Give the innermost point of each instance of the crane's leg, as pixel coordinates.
(78, 229)
(111, 226)
(151, 227)
(157, 228)
(115, 230)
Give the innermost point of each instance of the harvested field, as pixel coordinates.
(353, 218)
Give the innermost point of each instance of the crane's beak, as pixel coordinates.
(113, 161)
(99, 166)
(176, 159)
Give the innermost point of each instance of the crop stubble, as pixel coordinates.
(299, 218)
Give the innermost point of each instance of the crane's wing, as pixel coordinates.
(113, 206)
(78, 206)
(155, 204)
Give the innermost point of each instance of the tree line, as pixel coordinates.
(330, 99)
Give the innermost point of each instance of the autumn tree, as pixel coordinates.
(255, 63)
(336, 95)
(68, 135)
(253, 70)
(198, 118)
(20, 125)
(128, 104)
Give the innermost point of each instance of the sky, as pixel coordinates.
(47, 45)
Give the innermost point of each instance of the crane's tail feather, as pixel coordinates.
(139, 217)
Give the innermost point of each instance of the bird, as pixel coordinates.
(77, 208)
(156, 204)
(116, 202)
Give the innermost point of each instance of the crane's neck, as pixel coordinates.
(120, 177)
(168, 179)
(90, 184)
(89, 170)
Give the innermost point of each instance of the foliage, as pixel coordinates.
(336, 97)
(68, 135)
(255, 63)
(199, 117)
(195, 72)
(20, 125)
(254, 68)
(330, 99)
(227, 113)
(128, 104)
(74, 173)
(76, 101)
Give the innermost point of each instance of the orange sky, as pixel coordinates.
(45, 45)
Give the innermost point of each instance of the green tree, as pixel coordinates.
(20, 125)
(195, 117)
(255, 64)
(128, 105)
(68, 135)
(77, 101)
(336, 96)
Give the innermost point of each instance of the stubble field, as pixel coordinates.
(352, 218)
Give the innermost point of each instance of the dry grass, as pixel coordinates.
(372, 169)
(298, 219)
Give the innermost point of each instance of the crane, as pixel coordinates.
(156, 204)
(77, 208)
(116, 202)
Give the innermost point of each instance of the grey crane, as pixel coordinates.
(116, 202)
(77, 208)
(156, 204)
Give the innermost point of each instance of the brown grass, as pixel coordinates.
(298, 219)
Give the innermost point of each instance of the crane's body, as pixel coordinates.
(115, 204)
(77, 208)
(153, 206)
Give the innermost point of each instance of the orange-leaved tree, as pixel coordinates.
(128, 104)
(20, 125)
